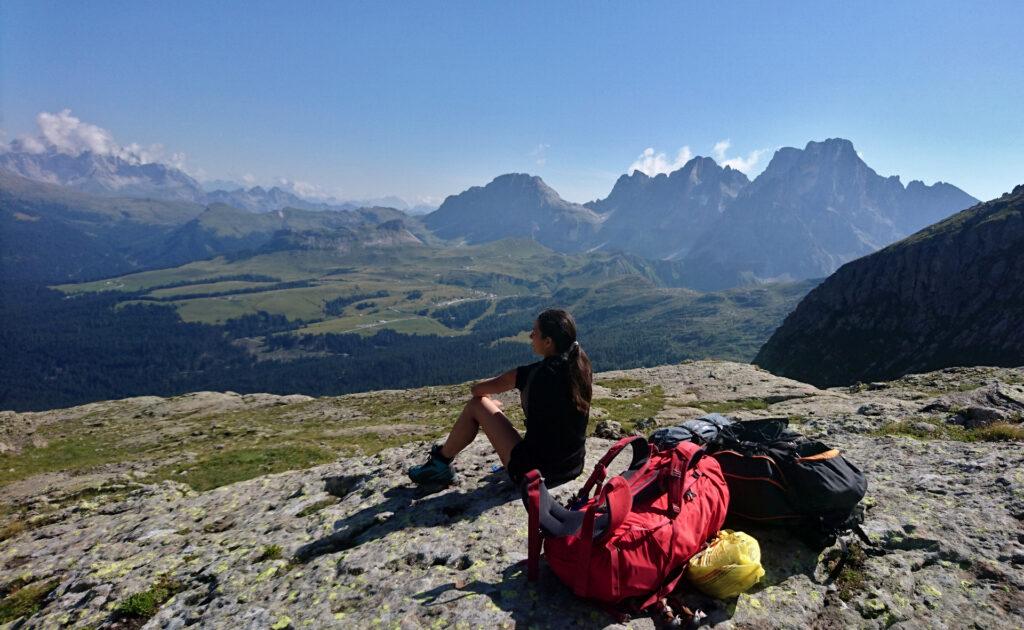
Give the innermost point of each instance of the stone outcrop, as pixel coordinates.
(351, 543)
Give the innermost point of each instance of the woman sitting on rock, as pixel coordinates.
(555, 394)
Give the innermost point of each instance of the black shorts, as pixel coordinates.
(520, 463)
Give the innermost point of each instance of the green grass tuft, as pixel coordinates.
(316, 507)
(12, 529)
(627, 411)
(25, 600)
(270, 552)
(224, 467)
(145, 604)
(621, 383)
(853, 578)
(915, 428)
(998, 432)
(74, 453)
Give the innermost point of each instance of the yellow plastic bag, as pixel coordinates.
(728, 567)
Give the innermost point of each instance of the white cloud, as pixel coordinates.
(539, 154)
(29, 144)
(651, 163)
(308, 190)
(65, 133)
(248, 179)
(742, 164)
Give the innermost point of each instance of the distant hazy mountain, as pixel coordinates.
(113, 176)
(259, 199)
(421, 209)
(212, 185)
(223, 229)
(104, 175)
(51, 233)
(515, 205)
(663, 216)
(949, 295)
(344, 240)
(808, 213)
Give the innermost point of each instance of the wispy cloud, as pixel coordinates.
(742, 164)
(539, 154)
(651, 163)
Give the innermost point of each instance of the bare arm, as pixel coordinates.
(495, 385)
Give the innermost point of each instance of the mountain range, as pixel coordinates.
(113, 175)
(808, 213)
(51, 233)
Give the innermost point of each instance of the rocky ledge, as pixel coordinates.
(350, 543)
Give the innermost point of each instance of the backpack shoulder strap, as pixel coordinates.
(641, 453)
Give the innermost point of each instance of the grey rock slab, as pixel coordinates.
(377, 551)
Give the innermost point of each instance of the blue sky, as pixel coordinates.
(423, 100)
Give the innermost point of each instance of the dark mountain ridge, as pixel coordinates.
(948, 295)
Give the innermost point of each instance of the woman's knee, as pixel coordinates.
(479, 405)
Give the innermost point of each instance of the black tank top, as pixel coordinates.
(556, 431)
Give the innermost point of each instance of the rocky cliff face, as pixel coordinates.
(350, 543)
(950, 294)
(664, 216)
(808, 213)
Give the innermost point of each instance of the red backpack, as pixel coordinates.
(628, 546)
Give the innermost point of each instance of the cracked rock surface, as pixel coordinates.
(352, 544)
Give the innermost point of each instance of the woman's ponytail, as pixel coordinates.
(559, 326)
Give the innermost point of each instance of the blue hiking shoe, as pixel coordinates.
(437, 471)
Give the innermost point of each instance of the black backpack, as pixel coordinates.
(778, 477)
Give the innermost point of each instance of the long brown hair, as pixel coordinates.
(559, 326)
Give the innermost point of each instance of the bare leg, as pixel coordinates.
(482, 413)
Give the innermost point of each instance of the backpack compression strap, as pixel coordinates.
(619, 500)
(533, 484)
(679, 482)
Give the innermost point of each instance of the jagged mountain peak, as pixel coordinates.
(835, 147)
(810, 211)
